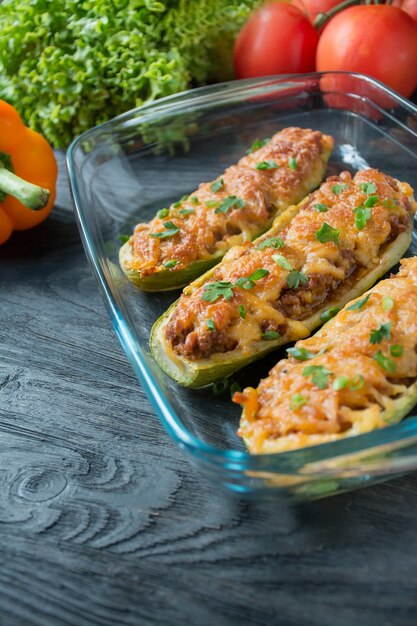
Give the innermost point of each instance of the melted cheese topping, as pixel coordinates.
(261, 194)
(323, 267)
(291, 408)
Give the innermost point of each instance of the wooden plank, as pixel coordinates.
(103, 520)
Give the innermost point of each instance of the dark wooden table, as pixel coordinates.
(104, 522)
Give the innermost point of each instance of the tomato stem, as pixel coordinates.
(322, 18)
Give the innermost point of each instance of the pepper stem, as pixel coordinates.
(31, 196)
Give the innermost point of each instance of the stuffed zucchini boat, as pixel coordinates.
(357, 374)
(316, 257)
(193, 234)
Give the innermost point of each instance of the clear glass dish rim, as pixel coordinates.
(276, 463)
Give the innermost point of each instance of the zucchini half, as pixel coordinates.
(280, 187)
(344, 347)
(392, 414)
(164, 280)
(194, 374)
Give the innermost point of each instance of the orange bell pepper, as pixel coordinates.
(28, 173)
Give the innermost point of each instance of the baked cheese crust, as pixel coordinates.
(357, 374)
(235, 208)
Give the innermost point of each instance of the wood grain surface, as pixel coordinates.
(104, 522)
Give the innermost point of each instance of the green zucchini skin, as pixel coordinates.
(402, 405)
(194, 374)
(166, 280)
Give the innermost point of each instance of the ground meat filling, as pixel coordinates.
(176, 333)
(398, 223)
(296, 304)
(299, 303)
(200, 345)
(268, 326)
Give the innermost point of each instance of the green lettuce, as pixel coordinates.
(70, 65)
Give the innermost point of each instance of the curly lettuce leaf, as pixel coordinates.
(70, 65)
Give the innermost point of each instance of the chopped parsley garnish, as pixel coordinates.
(295, 279)
(249, 281)
(362, 216)
(212, 203)
(162, 213)
(242, 311)
(292, 163)
(282, 262)
(234, 387)
(170, 231)
(267, 165)
(215, 290)
(322, 208)
(245, 283)
(297, 401)
(382, 332)
(186, 211)
(319, 375)
(357, 382)
(270, 335)
(368, 187)
(391, 203)
(340, 382)
(359, 304)
(211, 325)
(220, 386)
(218, 184)
(194, 200)
(396, 350)
(271, 242)
(258, 143)
(218, 289)
(338, 188)
(387, 303)
(231, 202)
(363, 213)
(223, 385)
(301, 354)
(329, 313)
(327, 233)
(258, 274)
(371, 201)
(171, 263)
(178, 204)
(124, 238)
(385, 362)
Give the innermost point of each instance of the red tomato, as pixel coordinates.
(277, 39)
(313, 7)
(377, 40)
(409, 6)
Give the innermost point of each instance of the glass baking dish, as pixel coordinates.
(123, 171)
